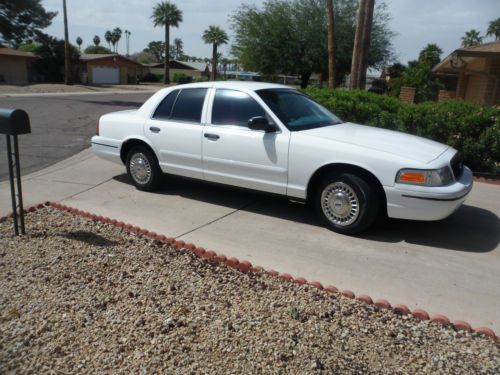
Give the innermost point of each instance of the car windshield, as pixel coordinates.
(297, 111)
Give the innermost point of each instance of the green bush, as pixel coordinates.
(472, 129)
(150, 77)
(182, 78)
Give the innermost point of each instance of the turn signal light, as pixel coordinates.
(413, 177)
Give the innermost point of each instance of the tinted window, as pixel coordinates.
(297, 111)
(234, 108)
(189, 105)
(165, 108)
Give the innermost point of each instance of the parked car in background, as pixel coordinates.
(274, 139)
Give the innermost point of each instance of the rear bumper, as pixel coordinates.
(106, 148)
(427, 203)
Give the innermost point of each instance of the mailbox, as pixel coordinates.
(14, 122)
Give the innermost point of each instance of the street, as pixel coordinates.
(61, 125)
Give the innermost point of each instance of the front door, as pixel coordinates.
(176, 131)
(235, 155)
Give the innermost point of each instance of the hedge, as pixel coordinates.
(472, 129)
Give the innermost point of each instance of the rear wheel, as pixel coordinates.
(346, 203)
(143, 169)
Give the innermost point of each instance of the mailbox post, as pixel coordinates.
(14, 122)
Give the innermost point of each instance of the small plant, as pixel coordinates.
(295, 313)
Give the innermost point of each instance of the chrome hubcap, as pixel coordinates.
(140, 169)
(340, 203)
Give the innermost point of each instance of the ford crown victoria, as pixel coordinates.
(275, 139)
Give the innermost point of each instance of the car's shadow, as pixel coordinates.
(470, 229)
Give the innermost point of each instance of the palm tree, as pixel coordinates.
(216, 36)
(115, 38)
(127, 41)
(108, 36)
(494, 29)
(362, 42)
(430, 55)
(178, 48)
(97, 40)
(79, 41)
(331, 47)
(168, 15)
(67, 67)
(471, 38)
(225, 62)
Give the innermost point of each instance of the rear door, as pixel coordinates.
(235, 155)
(175, 129)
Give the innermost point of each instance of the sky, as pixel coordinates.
(416, 22)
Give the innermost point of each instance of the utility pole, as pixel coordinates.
(331, 45)
(67, 67)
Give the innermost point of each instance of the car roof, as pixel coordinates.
(241, 85)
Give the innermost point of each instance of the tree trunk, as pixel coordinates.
(358, 45)
(214, 62)
(331, 45)
(67, 66)
(166, 65)
(367, 32)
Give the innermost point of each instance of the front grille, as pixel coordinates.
(457, 166)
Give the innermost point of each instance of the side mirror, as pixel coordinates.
(261, 123)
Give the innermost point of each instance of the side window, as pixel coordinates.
(189, 105)
(164, 110)
(233, 107)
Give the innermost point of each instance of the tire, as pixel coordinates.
(143, 168)
(346, 203)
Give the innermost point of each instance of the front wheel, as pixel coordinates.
(346, 203)
(143, 169)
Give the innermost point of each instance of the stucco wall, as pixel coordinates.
(14, 69)
(188, 72)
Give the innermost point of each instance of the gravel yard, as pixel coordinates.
(78, 296)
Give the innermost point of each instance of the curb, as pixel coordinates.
(245, 266)
(486, 180)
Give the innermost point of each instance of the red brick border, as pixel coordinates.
(246, 266)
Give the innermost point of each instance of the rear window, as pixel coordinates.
(164, 110)
(189, 105)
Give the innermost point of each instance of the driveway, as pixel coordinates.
(61, 124)
(449, 267)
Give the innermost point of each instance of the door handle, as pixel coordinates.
(211, 136)
(154, 129)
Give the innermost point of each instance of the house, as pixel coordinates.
(192, 69)
(472, 74)
(108, 69)
(16, 66)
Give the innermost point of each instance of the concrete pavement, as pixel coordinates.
(449, 267)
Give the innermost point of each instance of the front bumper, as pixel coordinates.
(427, 203)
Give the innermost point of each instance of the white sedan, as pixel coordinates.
(274, 139)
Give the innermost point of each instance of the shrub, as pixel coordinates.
(182, 78)
(150, 77)
(472, 129)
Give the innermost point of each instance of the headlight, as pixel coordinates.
(432, 177)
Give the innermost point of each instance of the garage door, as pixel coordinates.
(105, 74)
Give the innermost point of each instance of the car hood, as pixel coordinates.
(393, 142)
